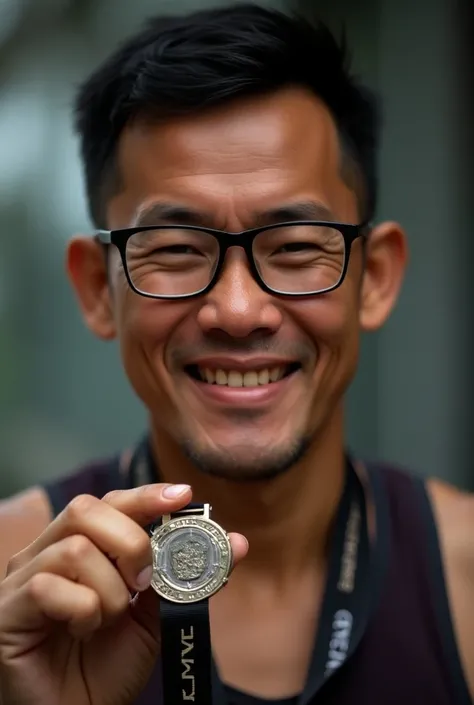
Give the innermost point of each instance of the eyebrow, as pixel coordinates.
(301, 210)
(174, 213)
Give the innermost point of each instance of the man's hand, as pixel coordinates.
(69, 630)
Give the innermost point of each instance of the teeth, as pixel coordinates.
(250, 379)
(234, 378)
(209, 376)
(275, 374)
(221, 377)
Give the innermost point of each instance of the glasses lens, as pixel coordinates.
(171, 261)
(300, 259)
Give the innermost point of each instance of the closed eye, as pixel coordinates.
(178, 250)
(297, 247)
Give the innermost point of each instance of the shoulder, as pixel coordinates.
(23, 518)
(454, 515)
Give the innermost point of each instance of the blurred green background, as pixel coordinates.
(63, 397)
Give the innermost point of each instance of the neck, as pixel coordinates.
(287, 520)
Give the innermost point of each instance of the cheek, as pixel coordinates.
(141, 321)
(330, 320)
(144, 328)
(339, 334)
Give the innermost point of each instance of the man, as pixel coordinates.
(230, 170)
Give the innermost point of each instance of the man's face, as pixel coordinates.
(231, 167)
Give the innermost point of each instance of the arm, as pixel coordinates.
(23, 518)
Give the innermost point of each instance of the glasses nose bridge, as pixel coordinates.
(244, 241)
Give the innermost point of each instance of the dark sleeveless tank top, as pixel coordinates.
(408, 653)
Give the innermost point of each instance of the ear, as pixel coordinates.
(385, 264)
(86, 265)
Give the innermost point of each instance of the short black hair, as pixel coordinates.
(182, 64)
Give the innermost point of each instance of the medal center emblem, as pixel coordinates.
(189, 559)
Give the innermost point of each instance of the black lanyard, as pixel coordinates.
(343, 619)
(346, 603)
(186, 654)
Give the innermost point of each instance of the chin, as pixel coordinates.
(244, 463)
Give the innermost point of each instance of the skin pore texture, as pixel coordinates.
(270, 461)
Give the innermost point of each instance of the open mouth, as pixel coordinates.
(239, 378)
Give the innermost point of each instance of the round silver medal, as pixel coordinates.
(192, 557)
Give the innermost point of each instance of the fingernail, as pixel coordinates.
(174, 491)
(144, 578)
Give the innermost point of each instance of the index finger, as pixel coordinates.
(148, 503)
(113, 525)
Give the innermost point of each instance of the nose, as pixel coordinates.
(236, 305)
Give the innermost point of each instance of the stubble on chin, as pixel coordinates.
(244, 464)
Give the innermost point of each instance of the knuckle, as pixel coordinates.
(118, 601)
(153, 490)
(77, 548)
(79, 506)
(37, 585)
(4, 590)
(15, 562)
(91, 604)
(136, 544)
(146, 490)
(113, 497)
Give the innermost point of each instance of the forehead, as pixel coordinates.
(247, 156)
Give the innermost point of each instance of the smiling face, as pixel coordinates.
(241, 380)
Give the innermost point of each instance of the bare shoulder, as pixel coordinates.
(454, 512)
(22, 519)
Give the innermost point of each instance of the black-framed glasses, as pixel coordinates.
(298, 258)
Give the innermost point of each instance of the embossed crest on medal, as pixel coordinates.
(192, 558)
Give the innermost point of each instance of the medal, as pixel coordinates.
(192, 556)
